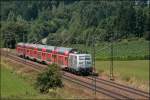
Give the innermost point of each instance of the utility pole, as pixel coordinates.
(111, 64)
(93, 63)
(24, 48)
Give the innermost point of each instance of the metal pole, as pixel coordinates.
(94, 66)
(24, 48)
(93, 56)
(111, 65)
(149, 42)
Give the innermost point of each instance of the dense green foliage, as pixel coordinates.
(51, 78)
(65, 22)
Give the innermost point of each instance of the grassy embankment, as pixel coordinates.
(16, 84)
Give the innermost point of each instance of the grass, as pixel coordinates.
(127, 50)
(12, 85)
(138, 69)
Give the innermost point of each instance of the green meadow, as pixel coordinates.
(138, 69)
(12, 85)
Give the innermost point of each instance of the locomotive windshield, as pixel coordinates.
(85, 61)
(84, 58)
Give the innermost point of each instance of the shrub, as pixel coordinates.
(51, 78)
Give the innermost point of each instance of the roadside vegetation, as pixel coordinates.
(49, 79)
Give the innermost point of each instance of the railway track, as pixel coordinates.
(100, 90)
(106, 87)
(122, 89)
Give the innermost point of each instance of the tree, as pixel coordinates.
(14, 30)
(126, 19)
(51, 78)
(139, 22)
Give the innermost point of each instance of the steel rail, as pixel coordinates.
(122, 87)
(101, 89)
(89, 87)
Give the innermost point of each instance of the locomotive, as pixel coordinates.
(67, 58)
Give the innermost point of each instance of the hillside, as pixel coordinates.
(69, 22)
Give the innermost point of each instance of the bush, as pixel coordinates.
(51, 78)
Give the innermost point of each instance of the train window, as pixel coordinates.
(43, 54)
(88, 62)
(48, 55)
(30, 51)
(84, 58)
(61, 60)
(66, 58)
(54, 56)
(81, 58)
(87, 58)
(39, 54)
(80, 62)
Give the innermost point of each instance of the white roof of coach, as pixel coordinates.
(78, 54)
(21, 44)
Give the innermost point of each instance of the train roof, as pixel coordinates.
(50, 48)
(62, 50)
(20, 44)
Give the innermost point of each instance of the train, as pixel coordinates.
(67, 58)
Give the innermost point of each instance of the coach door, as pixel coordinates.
(35, 52)
(44, 54)
(66, 60)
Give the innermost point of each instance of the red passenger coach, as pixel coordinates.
(44, 53)
(62, 55)
(20, 49)
(35, 50)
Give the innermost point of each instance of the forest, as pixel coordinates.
(72, 21)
